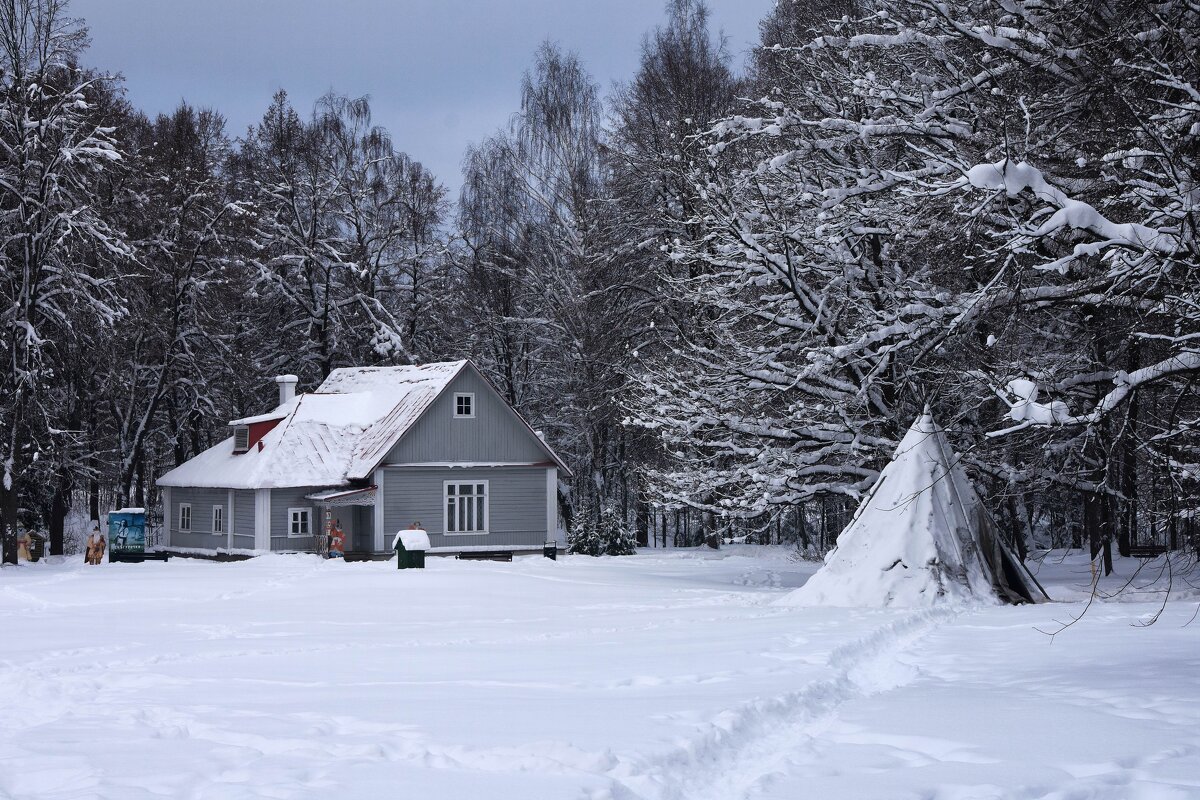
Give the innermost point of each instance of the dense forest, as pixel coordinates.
(723, 290)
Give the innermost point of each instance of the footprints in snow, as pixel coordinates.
(741, 747)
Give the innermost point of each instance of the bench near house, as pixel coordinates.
(376, 448)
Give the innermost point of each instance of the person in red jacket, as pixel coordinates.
(337, 541)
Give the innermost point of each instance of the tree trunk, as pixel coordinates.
(1076, 529)
(1127, 532)
(8, 524)
(139, 498)
(1018, 532)
(642, 522)
(1097, 519)
(568, 513)
(58, 515)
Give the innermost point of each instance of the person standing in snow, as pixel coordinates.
(23, 542)
(337, 541)
(94, 549)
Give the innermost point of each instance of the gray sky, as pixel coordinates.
(440, 73)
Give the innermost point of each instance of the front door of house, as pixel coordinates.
(362, 537)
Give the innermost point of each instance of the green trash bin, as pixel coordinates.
(410, 547)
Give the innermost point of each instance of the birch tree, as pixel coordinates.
(55, 243)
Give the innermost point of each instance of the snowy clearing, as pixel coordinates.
(666, 675)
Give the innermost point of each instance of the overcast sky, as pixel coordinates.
(440, 73)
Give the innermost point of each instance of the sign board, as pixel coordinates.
(126, 531)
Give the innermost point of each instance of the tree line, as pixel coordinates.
(722, 293)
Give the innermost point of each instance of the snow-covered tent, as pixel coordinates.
(922, 536)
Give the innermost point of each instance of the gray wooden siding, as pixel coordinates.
(202, 501)
(495, 434)
(281, 501)
(516, 504)
(243, 515)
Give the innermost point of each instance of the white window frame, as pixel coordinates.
(241, 432)
(218, 520)
(470, 397)
(291, 517)
(487, 507)
(179, 518)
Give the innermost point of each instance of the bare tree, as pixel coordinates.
(54, 240)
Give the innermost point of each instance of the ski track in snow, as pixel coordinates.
(742, 748)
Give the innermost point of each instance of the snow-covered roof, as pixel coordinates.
(336, 434)
(340, 494)
(279, 413)
(412, 539)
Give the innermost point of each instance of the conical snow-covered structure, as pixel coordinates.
(921, 537)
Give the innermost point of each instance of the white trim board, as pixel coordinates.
(468, 464)
(552, 504)
(167, 514)
(262, 519)
(378, 520)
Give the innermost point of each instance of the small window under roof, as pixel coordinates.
(241, 438)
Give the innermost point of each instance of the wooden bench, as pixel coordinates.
(137, 558)
(1147, 550)
(486, 555)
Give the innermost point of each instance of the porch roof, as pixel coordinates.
(345, 496)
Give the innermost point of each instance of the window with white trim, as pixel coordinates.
(464, 405)
(466, 506)
(299, 522)
(241, 438)
(185, 516)
(218, 519)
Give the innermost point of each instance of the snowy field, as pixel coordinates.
(666, 675)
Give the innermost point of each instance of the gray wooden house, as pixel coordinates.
(377, 449)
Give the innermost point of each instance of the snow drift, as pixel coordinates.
(921, 537)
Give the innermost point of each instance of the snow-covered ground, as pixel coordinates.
(665, 675)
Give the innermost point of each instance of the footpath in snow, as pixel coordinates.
(667, 675)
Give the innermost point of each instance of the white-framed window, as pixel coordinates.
(466, 507)
(218, 519)
(299, 522)
(185, 516)
(241, 438)
(464, 405)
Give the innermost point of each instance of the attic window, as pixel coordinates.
(241, 438)
(464, 405)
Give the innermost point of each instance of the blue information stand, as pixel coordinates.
(127, 535)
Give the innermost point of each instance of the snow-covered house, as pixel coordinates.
(376, 449)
